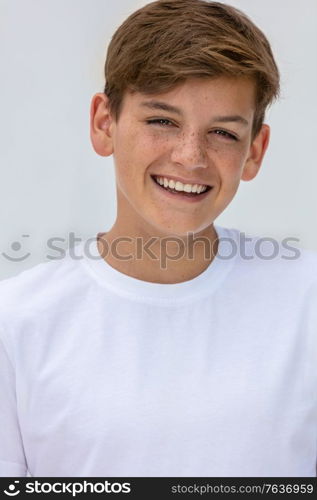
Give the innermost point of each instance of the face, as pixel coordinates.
(198, 134)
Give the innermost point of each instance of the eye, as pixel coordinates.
(225, 134)
(159, 121)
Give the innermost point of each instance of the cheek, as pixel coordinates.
(135, 138)
(154, 142)
(230, 163)
(232, 158)
(136, 151)
(125, 153)
(232, 168)
(124, 142)
(132, 156)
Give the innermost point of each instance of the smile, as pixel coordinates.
(181, 190)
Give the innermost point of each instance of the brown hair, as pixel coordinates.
(165, 42)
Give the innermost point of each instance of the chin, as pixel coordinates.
(182, 230)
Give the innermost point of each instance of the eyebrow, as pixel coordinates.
(163, 106)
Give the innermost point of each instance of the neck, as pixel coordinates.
(158, 258)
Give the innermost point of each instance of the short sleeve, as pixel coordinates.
(12, 458)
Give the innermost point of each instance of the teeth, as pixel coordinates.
(179, 186)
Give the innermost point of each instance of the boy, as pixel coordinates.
(183, 349)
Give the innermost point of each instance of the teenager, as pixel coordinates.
(168, 345)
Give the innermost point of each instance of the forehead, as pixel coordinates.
(221, 93)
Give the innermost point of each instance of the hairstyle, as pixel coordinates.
(167, 41)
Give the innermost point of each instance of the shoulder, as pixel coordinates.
(267, 259)
(39, 289)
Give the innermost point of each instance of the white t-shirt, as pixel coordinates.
(106, 375)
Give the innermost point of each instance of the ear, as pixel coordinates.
(101, 125)
(256, 154)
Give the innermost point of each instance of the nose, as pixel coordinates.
(189, 150)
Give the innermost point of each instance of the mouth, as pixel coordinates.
(180, 190)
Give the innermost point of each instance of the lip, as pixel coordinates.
(183, 181)
(182, 196)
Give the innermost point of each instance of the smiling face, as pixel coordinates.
(199, 133)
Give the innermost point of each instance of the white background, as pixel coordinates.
(52, 55)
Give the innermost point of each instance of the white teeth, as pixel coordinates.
(179, 186)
